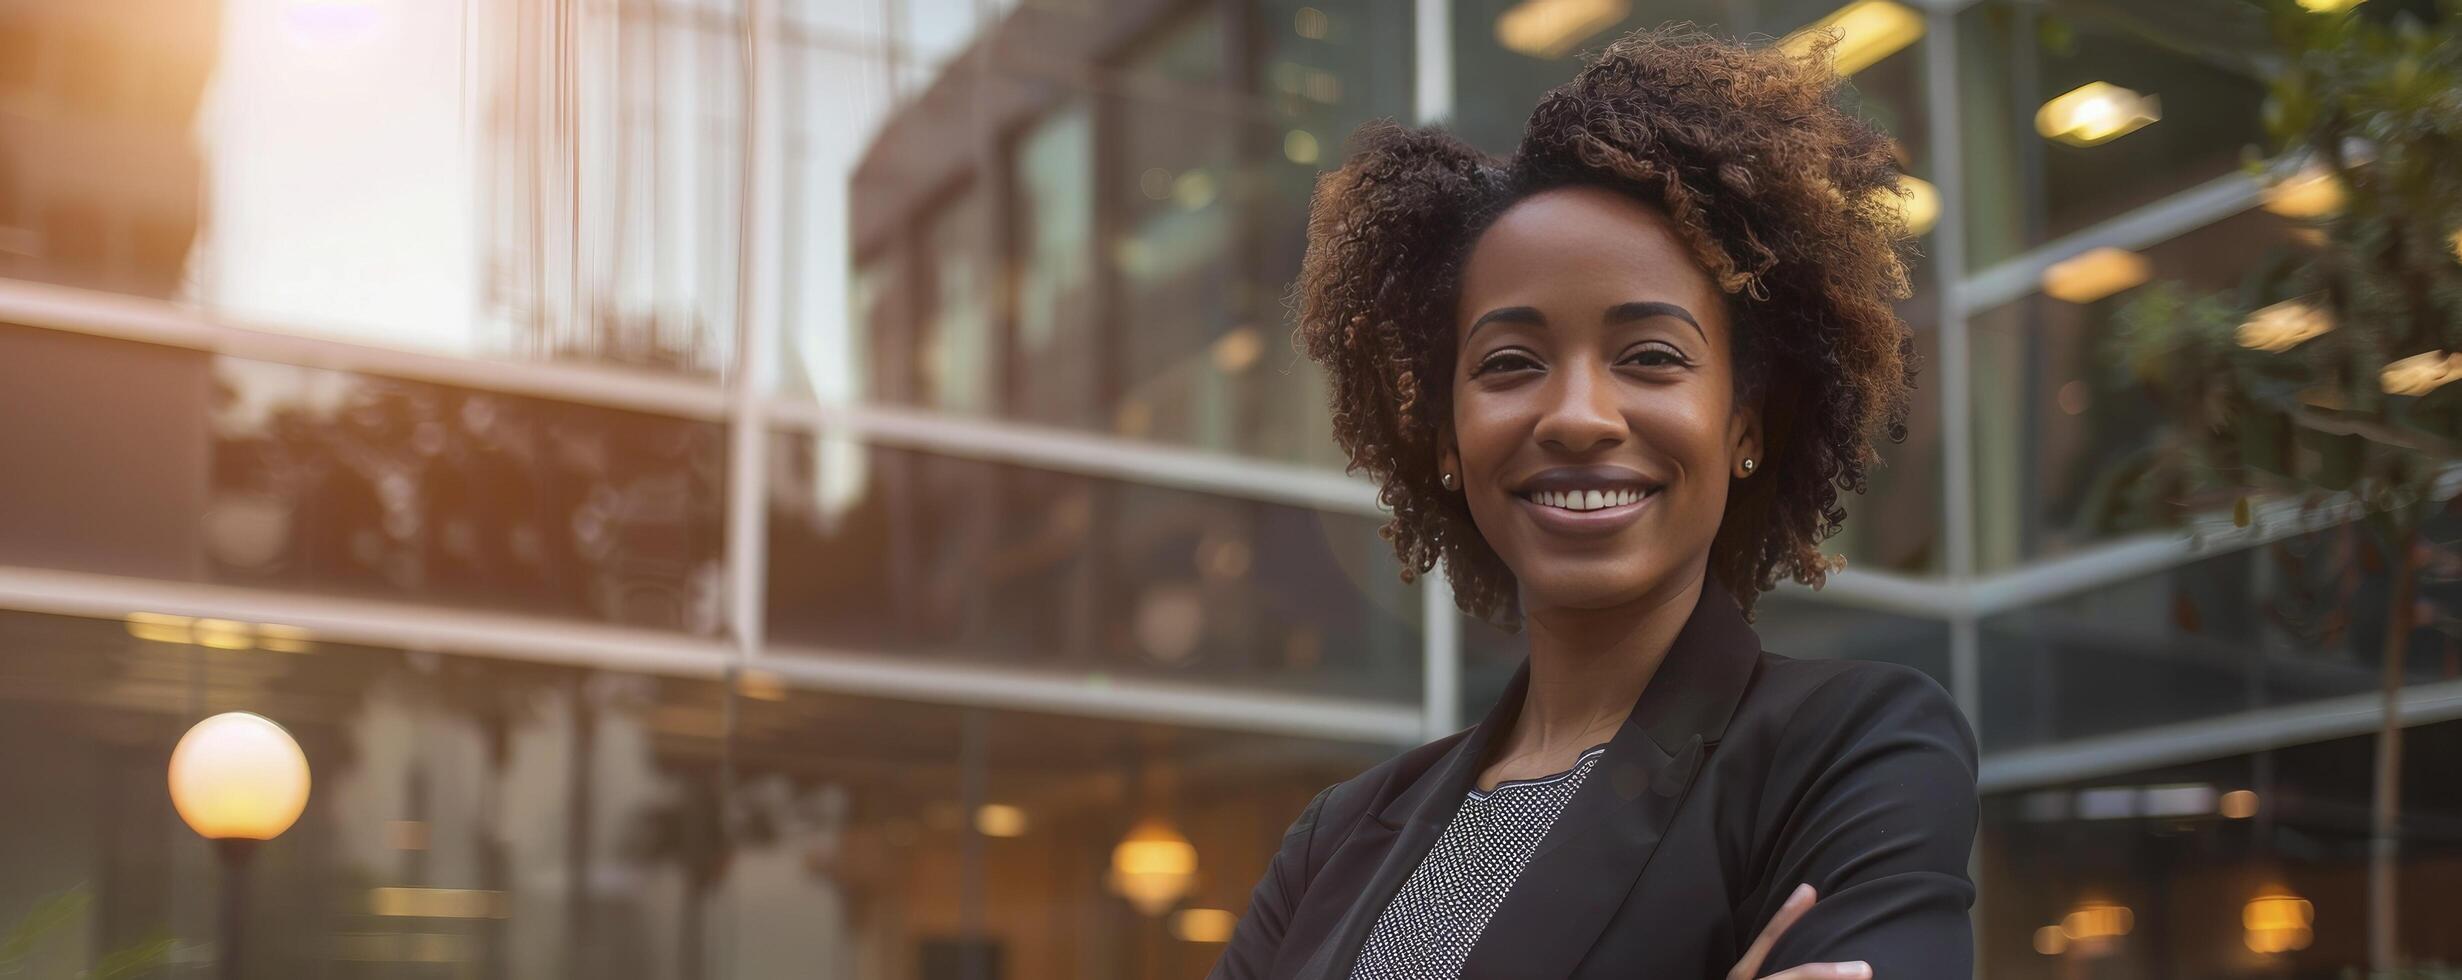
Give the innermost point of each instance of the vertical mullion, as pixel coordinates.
(1432, 61)
(1440, 633)
(1957, 430)
(755, 304)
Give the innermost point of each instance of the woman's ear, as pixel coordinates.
(1745, 456)
(1448, 458)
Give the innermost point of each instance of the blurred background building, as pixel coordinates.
(791, 487)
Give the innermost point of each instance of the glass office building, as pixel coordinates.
(748, 488)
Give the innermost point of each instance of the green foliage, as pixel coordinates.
(55, 913)
(2376, 102)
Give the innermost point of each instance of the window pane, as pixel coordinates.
(1147, 224)
(907, 836)
(2023, 188)
(420, 176)
(892, 551)
(2299, 620)
(1056, 312)
(473, 816)
(2059, 429)
(137, 460)
(2269, 883)
(477, 790)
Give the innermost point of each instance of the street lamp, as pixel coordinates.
(237, 779)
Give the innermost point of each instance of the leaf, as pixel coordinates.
(47, 917)
(134, 961)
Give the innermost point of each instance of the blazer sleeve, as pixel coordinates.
(1880, 766)
(1258, 937)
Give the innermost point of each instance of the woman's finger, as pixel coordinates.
(1855, 970)
(1790, 910)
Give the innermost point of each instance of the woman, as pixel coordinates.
(1618, 383)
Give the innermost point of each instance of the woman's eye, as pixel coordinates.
(1654, 357)
(1504, 362)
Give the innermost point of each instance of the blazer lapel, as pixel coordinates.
(1599, 845)
(1412, 820)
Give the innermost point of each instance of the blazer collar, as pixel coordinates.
(1599, 845)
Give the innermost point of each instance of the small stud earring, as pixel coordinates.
(1445, 478)
(1748, 465)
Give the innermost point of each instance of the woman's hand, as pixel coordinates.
(1749, 968)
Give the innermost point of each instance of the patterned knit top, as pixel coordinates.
(1428, 930)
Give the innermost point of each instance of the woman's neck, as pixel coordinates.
(1589, 666)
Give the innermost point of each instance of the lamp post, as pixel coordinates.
(237, 779)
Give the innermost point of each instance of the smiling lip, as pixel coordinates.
(1542, 496)
(1585, 523)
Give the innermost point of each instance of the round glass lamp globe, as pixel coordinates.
(239, 776)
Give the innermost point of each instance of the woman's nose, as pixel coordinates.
(1581, 411)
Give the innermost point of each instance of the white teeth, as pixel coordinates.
(1578, 500)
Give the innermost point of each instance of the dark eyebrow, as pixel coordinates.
(1629, 312)
(1525, 315)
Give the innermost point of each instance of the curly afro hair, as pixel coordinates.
(1790, 204)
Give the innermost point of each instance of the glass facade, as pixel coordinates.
(725, 509)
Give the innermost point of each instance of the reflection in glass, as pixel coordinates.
(2019, 60)
(2253, 865)
(99, 189)
(2060, 432)
(911, 836)
(486, 818)
(1148, 224)
(2297, 620)
(465, 814)
(889, 550)
(337, 483)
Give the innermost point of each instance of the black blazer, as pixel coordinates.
(1739, 775)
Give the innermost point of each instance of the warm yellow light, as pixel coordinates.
(2329, 6)
(1193, 190)
(1868, 31)
(2050, 942)
(1000, 820)
(1311, 23)
(1299, 146)
(2278, 922)
(1203, 925)
(2284, 325)
(1237, 349)
(2420, 374)
(2093, 275)
(2097, 920)
(2239, 804)
(282, 639)
(160, 628)
(2096, 112)
(1153, 867)
(223, 634)
(761, 685)
(1919, 205)
(2457, 246)
(438, 903)
(238, 776)
(1550, 28)
(2313, 192)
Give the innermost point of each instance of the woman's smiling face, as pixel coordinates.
(1595, 421)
